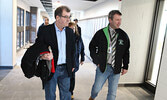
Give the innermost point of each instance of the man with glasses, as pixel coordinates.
(60, 39)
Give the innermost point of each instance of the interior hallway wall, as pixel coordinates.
(8, 9)
(137, 22)
(23, 5)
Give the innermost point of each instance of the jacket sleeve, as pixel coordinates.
(126, 55)
(82, 50)
(93, 47)
(73, 50)
(79, 29)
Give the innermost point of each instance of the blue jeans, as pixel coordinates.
(101, 78)
(61, 78)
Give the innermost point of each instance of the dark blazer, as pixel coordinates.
(47, 37)
(79, 50)
(98, 50)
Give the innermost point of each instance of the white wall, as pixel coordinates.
(39, 19)
(162, 83)
(7, 32)
(76, 14)
(23, 5)
(102, 9)
(137, 22)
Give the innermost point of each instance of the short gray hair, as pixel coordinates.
(59, 10)
(112, 13)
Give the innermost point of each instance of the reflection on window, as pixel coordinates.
(27, 33)
(27, 19)
(22, 39)
(27, 36)
(22, 17)
(18, 40)
(18, 17)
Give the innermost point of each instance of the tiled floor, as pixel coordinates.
(16, 87)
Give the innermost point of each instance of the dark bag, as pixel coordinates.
(43, 71)
(28, 62)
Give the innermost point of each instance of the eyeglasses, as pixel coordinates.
(67, 17)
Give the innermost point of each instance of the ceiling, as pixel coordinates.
(78, 4)
(50, 5)
(34, 3)
(72, 4)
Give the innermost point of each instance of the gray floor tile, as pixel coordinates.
(14, 86)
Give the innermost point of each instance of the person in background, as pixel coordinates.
(109, 50)
(78, 27)
(79, 50)
(45, 23)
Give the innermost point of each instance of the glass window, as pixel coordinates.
(27, 33)
(22, 17)
(27, 36)
(18, 40)
(18, 17)
(27, 18)
(22, 38)
(20, 28)
(159, 40)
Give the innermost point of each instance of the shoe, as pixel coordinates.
(72, 97)
(91, 98)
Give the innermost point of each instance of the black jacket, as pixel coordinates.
(79, 50)
(47, 37)
(79, 30)
(98, 50)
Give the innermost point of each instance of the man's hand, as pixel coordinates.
(124, 71)
(73, 69)
(47, 56)
(81, 62)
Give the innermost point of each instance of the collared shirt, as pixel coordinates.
(61, 40)
(109, 55)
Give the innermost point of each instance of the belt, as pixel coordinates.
(108, 64)
(61, 64)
